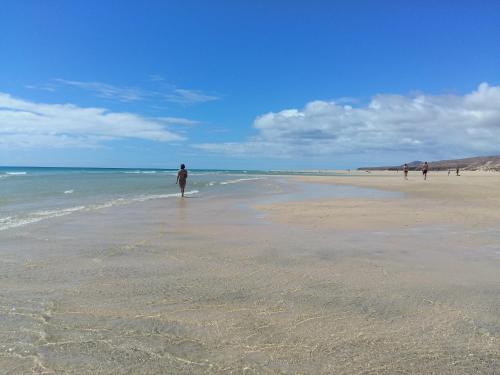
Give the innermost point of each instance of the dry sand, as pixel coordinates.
(207, 286)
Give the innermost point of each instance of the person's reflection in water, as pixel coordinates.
(181, 212)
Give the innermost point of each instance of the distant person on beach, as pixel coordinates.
(182, 176)
(405, 170)
(425, 169)
(458, 171)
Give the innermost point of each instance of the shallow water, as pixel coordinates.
(29, 195)
(202, 286)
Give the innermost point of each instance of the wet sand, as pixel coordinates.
(470, 201)
(210, 285)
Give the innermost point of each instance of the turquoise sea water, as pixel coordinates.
(31, 194)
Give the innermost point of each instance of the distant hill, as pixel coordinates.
(473, 164)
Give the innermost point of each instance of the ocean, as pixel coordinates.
(32, 194)
(29, 194)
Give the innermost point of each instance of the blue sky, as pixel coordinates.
(247, 84)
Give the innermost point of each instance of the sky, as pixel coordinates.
(247, 84)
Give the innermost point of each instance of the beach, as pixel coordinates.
(342, 274)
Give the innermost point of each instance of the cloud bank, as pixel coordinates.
(399, 124)
(28, 124)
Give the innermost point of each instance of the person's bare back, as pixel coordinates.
(182, 178)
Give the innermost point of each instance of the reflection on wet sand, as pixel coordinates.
(181, 211)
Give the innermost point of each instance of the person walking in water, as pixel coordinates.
(425, 169)
(182, 176)
(405, 170)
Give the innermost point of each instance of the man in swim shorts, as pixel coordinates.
(425, 169)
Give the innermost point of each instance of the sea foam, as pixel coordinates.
(240, 180)
(9, 222)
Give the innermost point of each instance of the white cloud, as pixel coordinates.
(418, 124)
(108, 91)
(184, 96)
(156, 78)
(178, 121)
(28, 124)
(47, 87)
(165, 92)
